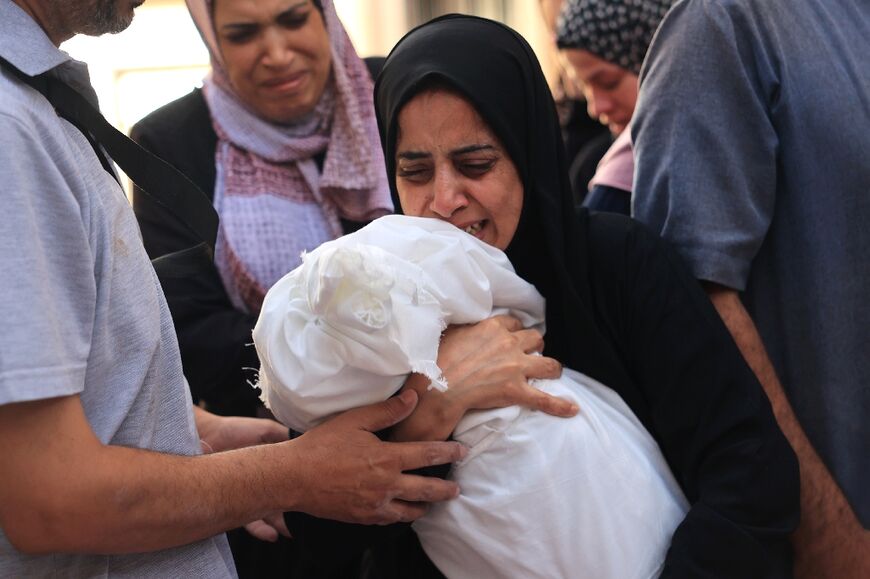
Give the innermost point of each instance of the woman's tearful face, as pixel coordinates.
(451, 166)
(276, 53)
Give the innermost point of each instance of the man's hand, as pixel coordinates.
(342, 471)
(220, 433)
(487, 365)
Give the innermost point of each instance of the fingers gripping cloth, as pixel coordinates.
(347, 326)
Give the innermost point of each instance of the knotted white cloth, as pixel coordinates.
(589, 496)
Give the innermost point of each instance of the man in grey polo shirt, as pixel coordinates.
(752, 145)
(98, 438)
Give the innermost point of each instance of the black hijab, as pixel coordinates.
(495, 69)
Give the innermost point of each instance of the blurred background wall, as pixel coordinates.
(160, 57)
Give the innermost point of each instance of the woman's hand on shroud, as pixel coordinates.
(487, 365)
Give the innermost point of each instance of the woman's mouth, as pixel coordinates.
(475, 228)
(286, 84)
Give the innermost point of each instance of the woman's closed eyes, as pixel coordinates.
(472, 162)
(293, 18)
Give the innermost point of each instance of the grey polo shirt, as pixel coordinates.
(82, 310)
(752, 152)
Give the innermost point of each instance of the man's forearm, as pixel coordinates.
(111, 499)
(62, 490)
(745, 334)
(829, 542)
(145, 501)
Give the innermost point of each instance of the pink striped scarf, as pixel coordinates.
(273, 201)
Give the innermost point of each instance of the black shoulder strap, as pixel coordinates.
(157, 178)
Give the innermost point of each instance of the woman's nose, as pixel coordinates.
(448, 195)
(597, 104)
(276, 53)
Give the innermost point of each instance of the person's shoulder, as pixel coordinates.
(717, 5)
(182, 134)
(19, 103)
(28, 122)
(740, 13)
(178, 119)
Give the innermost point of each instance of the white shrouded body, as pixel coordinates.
(589, 496)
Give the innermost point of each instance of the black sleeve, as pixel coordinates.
(213, 336)
(609, 199)
(704, 406)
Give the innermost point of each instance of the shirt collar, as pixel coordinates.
(24, 44)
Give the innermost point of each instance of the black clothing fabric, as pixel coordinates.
(620, 307)
(609, 199)
(584, 163)
(214, 337)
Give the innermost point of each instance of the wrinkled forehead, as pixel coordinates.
(202, 13)
(436, 94)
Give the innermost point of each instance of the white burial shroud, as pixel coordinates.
(589, 496)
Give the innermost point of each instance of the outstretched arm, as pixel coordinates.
(62, 490)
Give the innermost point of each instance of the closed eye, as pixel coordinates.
(606, 81)
(476, 168)
(240, 33)
(414, 172)
(293, 19)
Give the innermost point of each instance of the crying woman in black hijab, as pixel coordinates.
(470, 136)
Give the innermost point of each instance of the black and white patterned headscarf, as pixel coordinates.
(618, 31)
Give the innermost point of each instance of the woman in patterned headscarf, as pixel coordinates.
(605, 42)
(283, 139)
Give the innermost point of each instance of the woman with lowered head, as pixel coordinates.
(471, 137)
(604, 43)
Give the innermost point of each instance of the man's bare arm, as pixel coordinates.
(220, 433)
(830, 541)
(61, 490)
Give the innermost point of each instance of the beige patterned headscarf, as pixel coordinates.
(273, 201)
